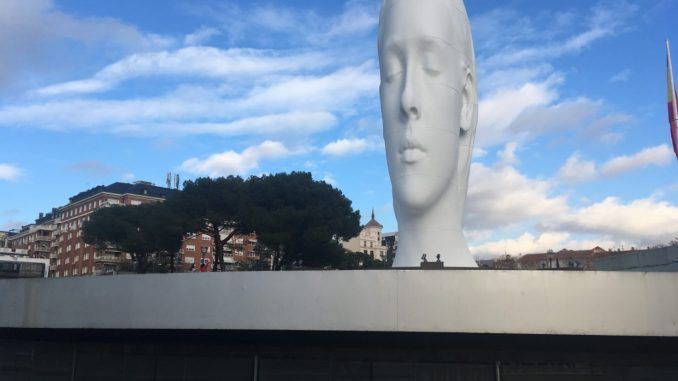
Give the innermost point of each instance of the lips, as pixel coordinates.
(411, 152)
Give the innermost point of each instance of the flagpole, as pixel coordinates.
(673, 111)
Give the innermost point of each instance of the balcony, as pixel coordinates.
(43, 238)
(42, 248)
(53, 256)
(107, 258)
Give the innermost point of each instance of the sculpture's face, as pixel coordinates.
(422, 82)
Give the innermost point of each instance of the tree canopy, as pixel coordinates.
(147, 232)
(300, 219)
(297, 220)
(216, 207)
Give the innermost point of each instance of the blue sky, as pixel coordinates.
(572, 148)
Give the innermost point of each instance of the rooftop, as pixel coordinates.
(372, 223)
(142, 188)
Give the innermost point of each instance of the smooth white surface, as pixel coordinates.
(429, 110)
(462, 301)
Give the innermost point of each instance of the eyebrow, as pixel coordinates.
(392, 44)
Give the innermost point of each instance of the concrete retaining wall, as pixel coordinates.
(458, 301)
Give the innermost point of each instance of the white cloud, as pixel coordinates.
(201, 36)
(622, 76)
(501, 200)
(645, 220)
(528, 243)
(310, 101)
(343, 147)
(524, 244)
(330, 179)
(9, 172)
(38, 29)
(660, 155)
(577, 170)
(500, 195)
(334, 90)
(195, 61)
(479, 152)
(522, 100)
(260, 21)
(234, 163)
(290, 124)
(507, 156)
(499, 109)
(605, 20)
(358, 17)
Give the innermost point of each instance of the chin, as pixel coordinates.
(416, 194)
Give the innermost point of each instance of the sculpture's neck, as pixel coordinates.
(438, 231)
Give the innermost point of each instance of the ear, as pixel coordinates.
(469, 107)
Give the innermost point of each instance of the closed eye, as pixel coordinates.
(390, 76)
(432, 72)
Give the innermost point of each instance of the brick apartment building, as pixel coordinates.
(35, 238)
(58, 235)
(563, 259)
(239, 249)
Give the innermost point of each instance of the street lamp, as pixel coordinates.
(203, 265)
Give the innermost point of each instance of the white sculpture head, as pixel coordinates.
(429, 111)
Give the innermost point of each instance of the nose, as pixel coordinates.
(409, 100)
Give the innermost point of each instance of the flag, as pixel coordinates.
(673, 101)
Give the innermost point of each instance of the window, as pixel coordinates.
(70, 235)
(136, 202)
(66, 273)
(190, 247)
(58, 262)
(205, 237)
(85, 270)
(75, 271)
(77, 245)
(190, 260)
(364, 251)
(251, 254)
(85, 257)
(68, 260)
(68, 248)
(76, 259)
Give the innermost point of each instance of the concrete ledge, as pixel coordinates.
(452, 301)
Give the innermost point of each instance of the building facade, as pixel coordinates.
(15, 263)
(563, 259)
(57, 236)
(370, 241)
(238, 250)
(73, 256)
(36, 238)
